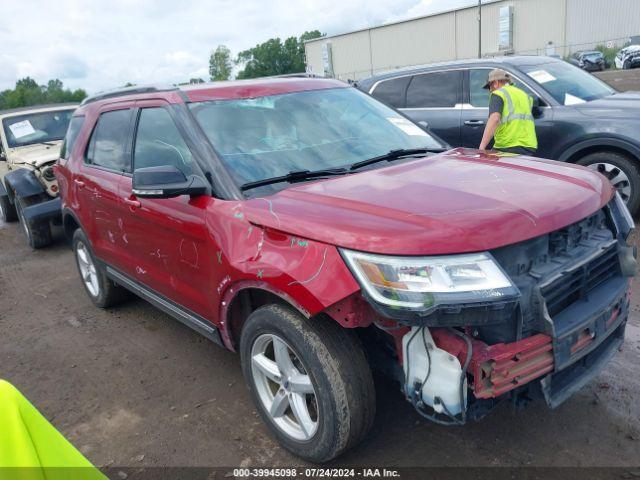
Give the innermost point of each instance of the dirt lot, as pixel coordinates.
(132, 387)
(622, 80)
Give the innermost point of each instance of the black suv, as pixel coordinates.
(579, 118)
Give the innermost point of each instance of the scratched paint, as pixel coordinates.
(189, 253)
(225, 281)
(315, 275)
(140, 270)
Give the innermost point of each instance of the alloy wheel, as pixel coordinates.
(284, 387)
(87, 269)
(616, 176)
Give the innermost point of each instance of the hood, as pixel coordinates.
(456, 202)
(36, 155)
(620, 105)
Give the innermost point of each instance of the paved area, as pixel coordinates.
(131, 387)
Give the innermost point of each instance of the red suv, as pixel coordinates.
(323, 235)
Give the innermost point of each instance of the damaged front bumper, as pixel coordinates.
(568, 323)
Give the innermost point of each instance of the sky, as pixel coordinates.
(97, 45)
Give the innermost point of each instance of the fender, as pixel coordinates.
(22, 183)
(600, 142)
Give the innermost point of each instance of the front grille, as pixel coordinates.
(576, 284)
(557, 270)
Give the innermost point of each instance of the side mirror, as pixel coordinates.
(424, 125)
(166, 182)
(3, 156)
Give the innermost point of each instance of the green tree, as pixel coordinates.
(275, 57)
(27, 92)
(220, 65)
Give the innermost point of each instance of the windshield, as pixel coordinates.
(36, 127)
(569, 85)
(271, 136)
(592, 56)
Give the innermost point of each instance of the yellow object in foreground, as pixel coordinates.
(31, 448)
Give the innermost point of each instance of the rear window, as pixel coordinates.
(75, 125)
(435, 90)
(392, 92)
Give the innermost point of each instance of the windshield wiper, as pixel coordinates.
(395, 155)
(294, 176)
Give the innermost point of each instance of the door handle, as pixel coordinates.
(474, 123)
(132, 203)
(79, 183)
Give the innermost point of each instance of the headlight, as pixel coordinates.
(424, 283)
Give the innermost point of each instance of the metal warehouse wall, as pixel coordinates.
(592, 22)
(454, 35)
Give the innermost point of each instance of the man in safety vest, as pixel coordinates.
(510, 121)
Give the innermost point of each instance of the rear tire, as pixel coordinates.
(332, 363)
(7, 210)
(38, 234)
(623, 172)
(101, 290)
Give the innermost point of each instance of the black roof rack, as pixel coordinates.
(37, 107)
(121, 92)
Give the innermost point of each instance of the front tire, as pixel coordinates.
(310, 381)
(622, 172)
(101, 290)
(38, 234)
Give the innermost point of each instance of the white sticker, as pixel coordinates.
(542, 76)
(407, 127)
(572, 100)
(22, 129)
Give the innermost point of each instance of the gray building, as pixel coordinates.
(527, 27)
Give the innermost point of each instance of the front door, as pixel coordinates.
(475, 112)
(169, 238)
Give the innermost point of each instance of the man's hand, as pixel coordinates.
(490, 129)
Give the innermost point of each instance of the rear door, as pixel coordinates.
(96, 183)
(436, 98)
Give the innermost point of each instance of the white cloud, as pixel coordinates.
(97, 44)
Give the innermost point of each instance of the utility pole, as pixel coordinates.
(479, 28)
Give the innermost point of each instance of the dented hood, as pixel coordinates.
(459, 201)
(35, 155)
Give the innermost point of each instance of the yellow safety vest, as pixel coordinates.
(516, 128)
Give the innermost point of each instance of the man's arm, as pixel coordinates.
(490, 129)
(495, 114)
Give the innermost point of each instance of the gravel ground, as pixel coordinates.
(132, 387)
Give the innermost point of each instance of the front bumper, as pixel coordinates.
(44, 211)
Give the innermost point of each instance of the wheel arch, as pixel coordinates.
(241, 299)
(70, 223)
(587, 147)
(22, 183)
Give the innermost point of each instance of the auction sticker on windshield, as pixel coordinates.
(407, 127)
(542, 76)
(22, 129)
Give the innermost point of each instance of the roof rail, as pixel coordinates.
(296, 75)
(121, 92)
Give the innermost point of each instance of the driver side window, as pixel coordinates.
(159, 143)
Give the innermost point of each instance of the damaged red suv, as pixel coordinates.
(323, 235)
